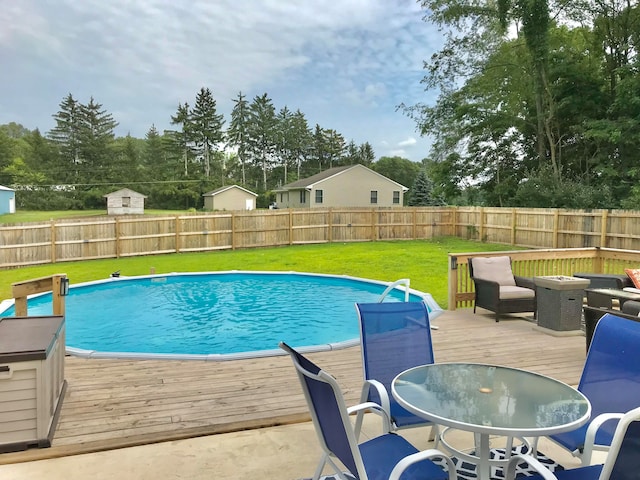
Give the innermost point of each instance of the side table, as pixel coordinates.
(559, 300)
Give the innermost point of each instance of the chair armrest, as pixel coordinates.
(525, 282)
(534, 463)
(383, 408)
(631, 289)
(409, 460)
(590, 436)
(487, 287)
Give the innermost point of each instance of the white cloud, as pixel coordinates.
(346, 64)
(409, 142)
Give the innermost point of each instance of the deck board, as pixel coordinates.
(119, 403)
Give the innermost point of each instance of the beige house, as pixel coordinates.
(349, 186)
(230, 197)
(125, 202)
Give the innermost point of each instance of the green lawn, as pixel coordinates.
(44, 216)
(423, 262)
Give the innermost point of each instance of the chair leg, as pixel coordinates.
(320, 467)
(497, 317)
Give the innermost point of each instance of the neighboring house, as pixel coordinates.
(7, 200)
(230, 197)
(350, 186)
(125, 201)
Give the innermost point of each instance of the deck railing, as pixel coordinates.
(532, 263)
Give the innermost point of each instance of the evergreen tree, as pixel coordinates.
(300, 140)
(367, 155)
(237, 133)
(96, 142)
(66, 135)
(180, 140)
(154, 158)
(284, 141)
(262, 134)
(422, 192)
(206, 127)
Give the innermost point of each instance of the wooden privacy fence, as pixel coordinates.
(112, 237)
(532, 263)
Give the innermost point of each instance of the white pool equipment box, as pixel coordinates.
(32, 383)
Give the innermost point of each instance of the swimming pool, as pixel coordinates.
(214, 315)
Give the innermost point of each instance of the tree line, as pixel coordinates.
(261, 148)
(538, 105)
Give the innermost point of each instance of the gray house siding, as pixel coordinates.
(352, 186)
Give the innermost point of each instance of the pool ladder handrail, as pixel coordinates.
(402, 281)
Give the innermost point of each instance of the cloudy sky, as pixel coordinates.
(346, 64)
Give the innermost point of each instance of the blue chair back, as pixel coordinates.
(327, 408)
(395, 336)
(610, 377)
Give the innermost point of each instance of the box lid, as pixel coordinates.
(28, 338)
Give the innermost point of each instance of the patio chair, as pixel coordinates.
(622, 463)
(610, 380)
(498, 290)
(388, 456)
(394, 336)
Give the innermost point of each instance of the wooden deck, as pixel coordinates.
(119, 403)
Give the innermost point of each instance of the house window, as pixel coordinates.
(126, 202)
(303, 197)
(374, 197)
(396, 197)
(318, 196)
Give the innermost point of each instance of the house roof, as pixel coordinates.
(225, 188)
(7, 189)
(124, 192)
(310, 182)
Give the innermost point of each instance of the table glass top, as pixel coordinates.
(615, 293)
(492, 397)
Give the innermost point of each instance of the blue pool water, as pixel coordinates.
(215, 313)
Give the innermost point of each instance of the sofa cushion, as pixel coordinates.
(634, 275)
(510, 292)
(494, 269)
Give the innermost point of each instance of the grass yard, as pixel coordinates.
(424, 262)
(45, 216)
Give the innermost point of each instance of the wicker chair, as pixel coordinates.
(498, 289)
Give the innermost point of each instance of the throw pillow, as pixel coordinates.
(634, 275)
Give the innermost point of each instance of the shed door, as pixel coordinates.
(12, 205)
(249, 204)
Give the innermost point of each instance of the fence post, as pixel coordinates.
(233, 230)
(453, 282)
(603, 229)
(513, 226)
(177, 229)
(481, 225)
(556, 227)
(290, 226)
(454, 222)
(53, 241)
(118, 234)
(330, 223)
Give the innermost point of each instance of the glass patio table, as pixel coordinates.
(490, 400)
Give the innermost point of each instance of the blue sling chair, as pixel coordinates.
(622, 463)
(385, 457)
(394, 336)
(611, 381)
